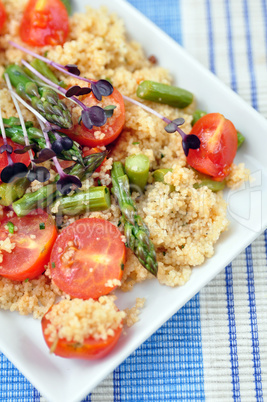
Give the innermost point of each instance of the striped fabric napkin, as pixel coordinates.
(215, 347)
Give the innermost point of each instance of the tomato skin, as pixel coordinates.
(23, 158)
(90, 350)
(44, 22)
(111, 129)
(28, 262)
(2, 16)
(96, 256)
(218, 146)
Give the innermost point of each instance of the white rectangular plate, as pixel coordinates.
(20, 337)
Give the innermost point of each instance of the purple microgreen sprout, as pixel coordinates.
(104, 88)
(44, 155)
(100, 88)
(189, 141)
(12, 170)
(39, 173)
(76, 90)
(67, 182)
(72, 68)
(94, 116)
(61, 144)
(6, 148)
(35, 173)
(91, 116)
(26, 149)
(109, 110)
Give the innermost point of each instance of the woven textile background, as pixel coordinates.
(215, 347)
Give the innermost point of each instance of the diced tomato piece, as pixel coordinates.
(111, 130)
(2, 16)
(87, 258)
(34, 237)
(218, 146)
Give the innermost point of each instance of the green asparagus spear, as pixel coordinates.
(135, 230)
(197, 115)
(10, 192)
(45, 100)
(205, 180)
(166, 94)
(94, 199)
(211, 184)
(15, 122)
(67, 4)
(240, 139)
(137, 170)
(15, 133)
(48, 194)
(43, 68)
(159, 174)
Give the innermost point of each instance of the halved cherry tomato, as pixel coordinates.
(23, 158)
(93, 151)
(218, 147)
(2, 15)
(45, 22)
(33, 245)
(111, 129)
(89, 350)
(87, 256)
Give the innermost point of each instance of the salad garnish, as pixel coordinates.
(12, 170)
(104, 88)
(39, 173)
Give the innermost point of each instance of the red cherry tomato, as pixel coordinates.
(87, 256)
(89, 350)
(111, 129)
(33, 245)
(2, 15)
(45, 22)
(218, 147)
(23, 158)
(94, 151)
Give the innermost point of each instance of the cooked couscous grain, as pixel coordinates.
(75, 320)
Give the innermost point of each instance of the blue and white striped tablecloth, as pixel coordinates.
(215, 347)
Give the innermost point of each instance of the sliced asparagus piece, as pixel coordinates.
(198, 113)
(137, 170)
(94, 199)
(240, 139)
(163, 93)
(48, 194)
(10, 192)
(211, 184)
(159, 174)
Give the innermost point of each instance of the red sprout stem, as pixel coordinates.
(147, 108)
(2, 127)
(22, 122)
(48, 144)
(58, 66)
(52, 84)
